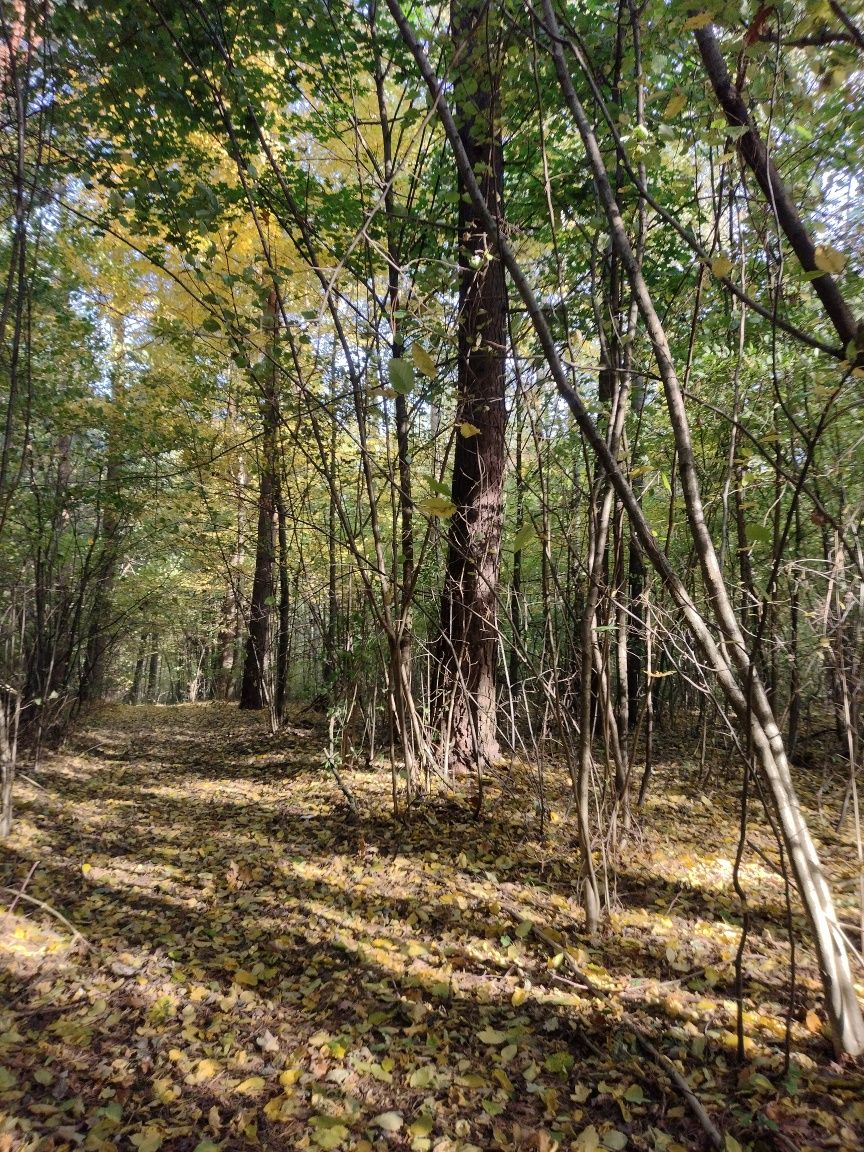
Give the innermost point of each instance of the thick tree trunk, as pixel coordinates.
(468, 608)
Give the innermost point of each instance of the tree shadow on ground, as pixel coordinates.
(388, 962)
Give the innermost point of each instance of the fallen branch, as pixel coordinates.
(47, 908)
(708, 1125)
(23, 887)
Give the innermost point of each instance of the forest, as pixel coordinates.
(431, 575)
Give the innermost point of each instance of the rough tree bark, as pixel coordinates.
(468, 607)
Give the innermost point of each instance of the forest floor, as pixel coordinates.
(256, 968)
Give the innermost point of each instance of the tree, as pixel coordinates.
(469, 636)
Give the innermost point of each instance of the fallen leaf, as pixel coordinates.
(387, 1121)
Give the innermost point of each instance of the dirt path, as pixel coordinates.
(263, 970)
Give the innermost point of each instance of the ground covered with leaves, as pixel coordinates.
(257, 967)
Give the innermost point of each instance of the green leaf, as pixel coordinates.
(523, 538)
(330, 1137)
(614, 1140)
(757, 533)
(401, 376)
(559, 1062)
(422, 1077)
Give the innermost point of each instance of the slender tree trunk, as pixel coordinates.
(330, 637)
(253, 689)
(153, 670)
(516, 612)
(283, 642)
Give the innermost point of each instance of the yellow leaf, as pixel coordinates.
(491, 1036)
(249, 979)
(388, 1121)
(147, 1140)
(587, 1140)
(813, 1023)
(732, 1144)
(422, 1126)
(676, 105)
(828, 259)
(471, 1080)
(423, 362)
(467, 429)
(86, 868)
(721, 266)
(699, 20)
(280, 1109)
(290, 1076)
(204, 1070)
(520, 995)
(437, 506)
(251, 1086)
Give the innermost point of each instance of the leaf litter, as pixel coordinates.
(264, 968)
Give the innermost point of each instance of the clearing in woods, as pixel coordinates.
(259, 968)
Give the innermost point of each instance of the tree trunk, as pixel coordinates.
(253, 690)
(153, 670)
(138, 675)
(468, 608)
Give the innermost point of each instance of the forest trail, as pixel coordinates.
(264, 970)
